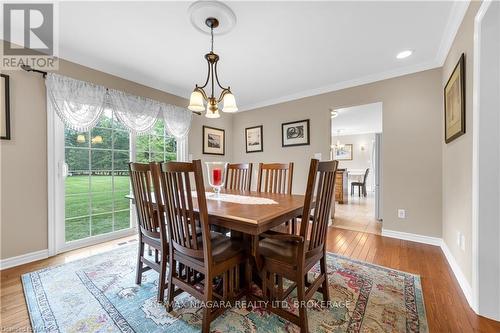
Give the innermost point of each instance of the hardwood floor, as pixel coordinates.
(446, 307)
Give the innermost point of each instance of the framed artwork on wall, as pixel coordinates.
(5, 108)
(214, 141)
(342, 153)
(254, 139)
(454, 103)
(295, 133)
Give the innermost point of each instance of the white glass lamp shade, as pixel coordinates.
(212, 110)
(97, 139)
(80, 138)
(212, 115)
(229, 103)
(196, 101)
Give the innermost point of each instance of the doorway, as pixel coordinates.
(356, 142)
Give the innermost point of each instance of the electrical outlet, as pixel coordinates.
(459, 239)
(401, 213)
(462, 242)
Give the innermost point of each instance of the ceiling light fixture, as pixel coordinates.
(199, 96)
(404, 54)
(333, 113)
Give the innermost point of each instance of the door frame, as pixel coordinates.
(485, 171)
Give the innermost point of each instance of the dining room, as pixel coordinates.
(239, 166)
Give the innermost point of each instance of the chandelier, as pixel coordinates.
(199, 95)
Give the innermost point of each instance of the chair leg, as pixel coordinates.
(138, 276)
(161, 279)
(325, 287)
(207, 318)
(302, 308)
(264, 284)
(170, 290)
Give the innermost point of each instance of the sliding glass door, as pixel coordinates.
(96, 180)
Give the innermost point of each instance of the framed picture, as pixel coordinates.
(454, 103)
(254, 139)
(295, 133)
(214, 141)
(343, 153)
(4, 107)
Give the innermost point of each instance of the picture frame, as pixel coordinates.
(254, 139)
(295, 133)
(454, 103)
(5, 133)
(214, 141)
(343, 153)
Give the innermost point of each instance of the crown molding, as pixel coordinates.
(450, 32)
(345, 84)
(455, 18)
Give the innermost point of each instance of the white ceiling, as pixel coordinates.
(359, 119)
(277, 51)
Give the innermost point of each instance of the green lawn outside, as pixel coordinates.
(90, 215)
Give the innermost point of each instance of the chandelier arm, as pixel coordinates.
(213, 84)
(202, 92)
(208, 76)
(217, 79)
(224, 92)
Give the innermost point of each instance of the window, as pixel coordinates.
(97, 180)
(156, 146)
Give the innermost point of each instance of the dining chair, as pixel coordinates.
(151, 232)
(211, 254)
(239, 176)
(292, 256)
(360, 185)
(277, 178)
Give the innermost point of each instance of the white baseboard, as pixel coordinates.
(411, 237)
(23, 259)
(459, 275)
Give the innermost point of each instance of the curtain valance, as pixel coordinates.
(80, 104)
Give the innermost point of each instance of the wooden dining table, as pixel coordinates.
(250, 220)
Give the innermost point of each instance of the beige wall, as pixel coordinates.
(457, 155)
(24, 158)
(412, 126)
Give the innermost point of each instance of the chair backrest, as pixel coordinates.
(141, 177)
(275, 178)
(366, 175)
(321, 187)
(239, 176)
(174, 189)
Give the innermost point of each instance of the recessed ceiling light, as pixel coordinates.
(404, 54)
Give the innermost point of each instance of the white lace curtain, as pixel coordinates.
(80, 104)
